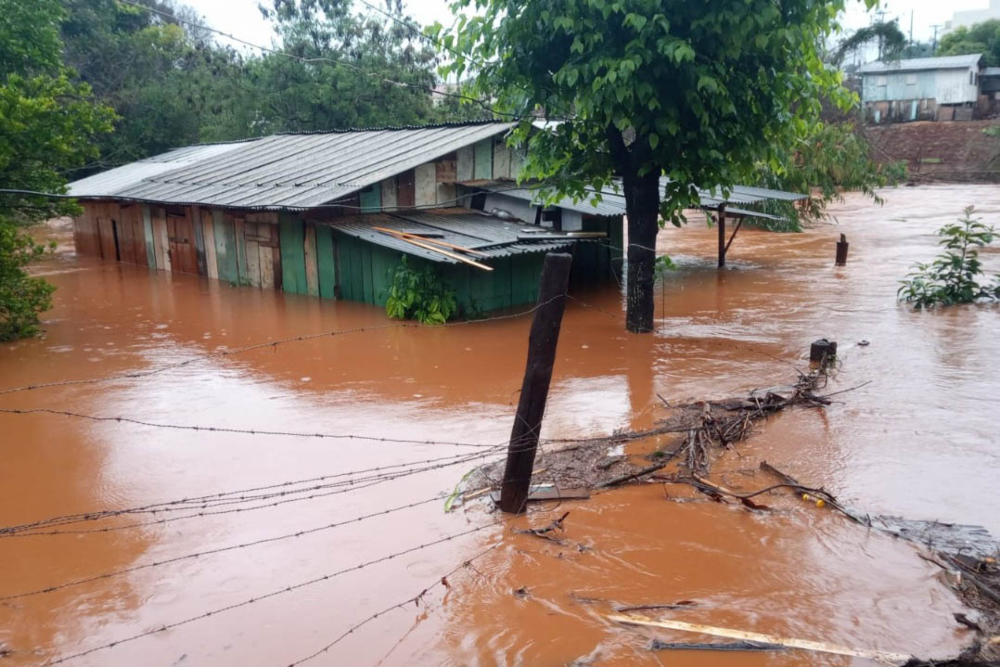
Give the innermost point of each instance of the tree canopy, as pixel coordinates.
(981, 38)
(48, 125)
(699, 92)
(172, 83)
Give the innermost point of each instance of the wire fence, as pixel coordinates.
(260, 497)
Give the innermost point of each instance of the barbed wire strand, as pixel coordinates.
(265, 596)
(105, 514)
(239, 431)
(415, 600)
(238, 510)
(210, 552)
(271, 344)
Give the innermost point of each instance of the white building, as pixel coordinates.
(972, 16)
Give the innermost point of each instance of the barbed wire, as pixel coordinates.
(238, 510)
(211, 552)
(399, 605)
(105, 514)
(271, 344)
(239, 431)
(265, 596)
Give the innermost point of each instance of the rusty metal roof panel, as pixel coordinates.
(295, 171)
(492, 236)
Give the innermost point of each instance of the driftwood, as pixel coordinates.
(722, 423)
(822, 647)
(657, 645)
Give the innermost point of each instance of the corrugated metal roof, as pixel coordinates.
(915, 64)
(613, 203)
(471, 229)
(108, 183)
(291, 171)
(607, 206)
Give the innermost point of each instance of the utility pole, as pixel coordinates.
(934, 43)
(542, 343)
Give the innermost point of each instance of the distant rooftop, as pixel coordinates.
(918, 64)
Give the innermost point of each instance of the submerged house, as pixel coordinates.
(941, 88)
(330, 214)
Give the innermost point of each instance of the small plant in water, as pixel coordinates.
(419, 294)
(955, 276)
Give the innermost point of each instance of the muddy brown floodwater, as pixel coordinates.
(919, 440)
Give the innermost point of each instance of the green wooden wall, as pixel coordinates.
(370, 199)
(326, 262)
(293, 254)
(598, 261)
(362, 269)
(225, 247)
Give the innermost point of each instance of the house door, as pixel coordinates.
(913, 110)
(183, 254)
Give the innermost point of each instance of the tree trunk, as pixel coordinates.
(642, 206)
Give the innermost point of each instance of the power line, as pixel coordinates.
(275, 593)
(319, 59)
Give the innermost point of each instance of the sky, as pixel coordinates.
(242, 18)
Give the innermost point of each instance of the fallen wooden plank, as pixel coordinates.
(805, 644)
(427, 246)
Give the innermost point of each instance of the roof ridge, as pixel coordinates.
(382, 128)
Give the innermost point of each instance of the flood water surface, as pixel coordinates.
(914, 437)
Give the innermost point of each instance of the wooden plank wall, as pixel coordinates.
(326, 267)
(293, 257)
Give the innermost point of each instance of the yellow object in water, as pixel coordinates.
(820, 502)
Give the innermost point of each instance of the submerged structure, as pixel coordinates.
(331, 214)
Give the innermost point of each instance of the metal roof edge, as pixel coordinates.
(392, 128)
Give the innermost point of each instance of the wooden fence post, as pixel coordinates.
(842, 250)
(542, 343)
(722, 236)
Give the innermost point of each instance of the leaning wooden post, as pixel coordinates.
(722, 235)
(842, 250)
(535, 387)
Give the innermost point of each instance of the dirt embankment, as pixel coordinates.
(940, 151)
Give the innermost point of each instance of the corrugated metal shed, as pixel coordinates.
(288, 171)
(471, 229)
(918, 64)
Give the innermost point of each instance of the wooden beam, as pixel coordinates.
(821, 647)
(739, 223)
(722, 236)
(433, 241)
(426, 246)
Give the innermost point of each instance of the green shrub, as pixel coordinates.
(22, 297)
(419, 294)
(954, 277)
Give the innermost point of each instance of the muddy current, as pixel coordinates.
(918, 439)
